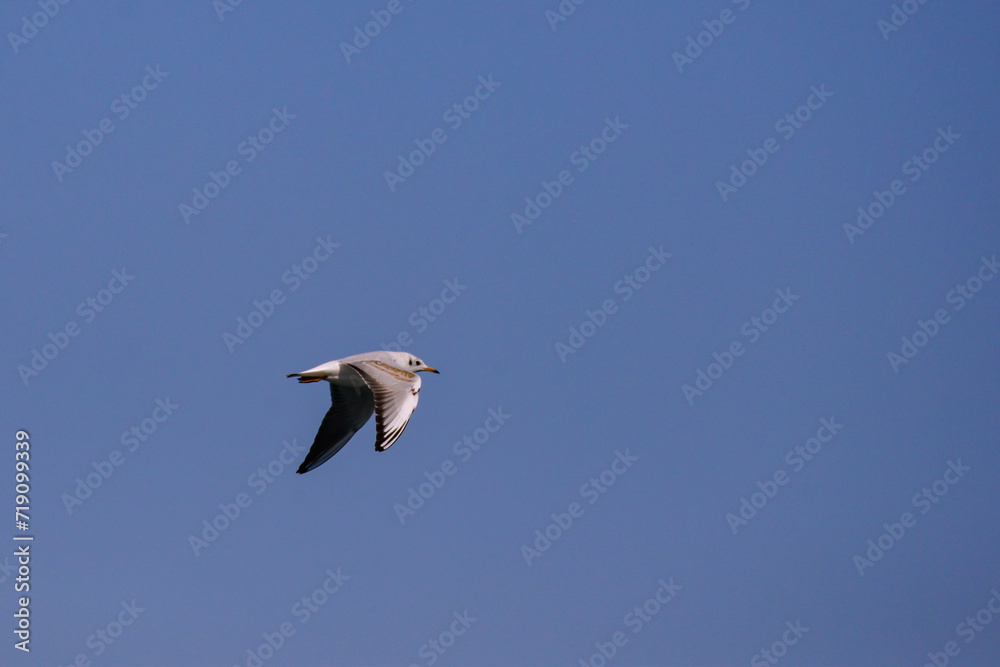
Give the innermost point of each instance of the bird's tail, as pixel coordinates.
(302, 379)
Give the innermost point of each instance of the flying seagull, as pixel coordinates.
(385, 383)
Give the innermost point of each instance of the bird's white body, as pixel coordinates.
(340, 371)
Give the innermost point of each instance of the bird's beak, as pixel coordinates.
(432, 370)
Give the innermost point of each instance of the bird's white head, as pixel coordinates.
(408, 362)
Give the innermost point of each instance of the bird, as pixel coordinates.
(382, 382)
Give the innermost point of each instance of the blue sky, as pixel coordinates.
(691, 410)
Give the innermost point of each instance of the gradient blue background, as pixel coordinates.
(495, 345)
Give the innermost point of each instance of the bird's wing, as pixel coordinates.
(396, 394)
(351, 408)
